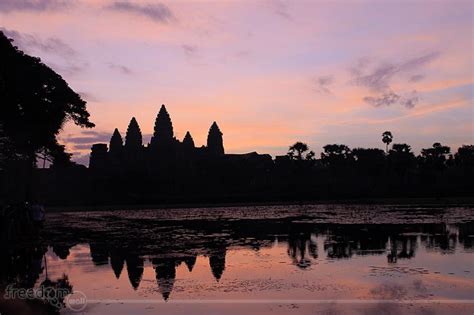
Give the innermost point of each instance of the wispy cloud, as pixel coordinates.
(88, 137)
(386, 99)
(322, 83)
(157, 12)
(32, 42)
(84, 147)
(379, 79)
(243, 54)
(88, 97)
(120, 68)
(410, 100)
(70, 68)
(80, 158)
(417, 78)
(280, 7)
(33, 5)
(189, 50)
(35, 45)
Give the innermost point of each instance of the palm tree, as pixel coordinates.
(387, 139)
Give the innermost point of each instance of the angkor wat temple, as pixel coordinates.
(167, 165)
(163, 151)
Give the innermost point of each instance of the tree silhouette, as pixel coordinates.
(336, 155)
(401, 158)
(369, 161)
(60, 157)
(297, 150)
(36, 102)
(387, 138)
(465, 156)
(6, 149)
(435, 157)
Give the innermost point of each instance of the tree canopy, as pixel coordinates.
(36, 103)
(336, 155)
(297, 150)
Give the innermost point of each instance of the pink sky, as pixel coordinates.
(269, 72)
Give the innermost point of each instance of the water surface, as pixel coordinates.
(278, 260)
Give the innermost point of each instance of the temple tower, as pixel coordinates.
(188, 141)
(116, 143)
(133, 138)
(163, 131)
(215, 143)
(98, 157)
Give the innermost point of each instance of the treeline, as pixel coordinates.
(342, 172)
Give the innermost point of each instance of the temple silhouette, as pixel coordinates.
(165, 152)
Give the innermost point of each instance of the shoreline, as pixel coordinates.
(444, 201)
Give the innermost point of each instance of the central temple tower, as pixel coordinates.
(163, 131)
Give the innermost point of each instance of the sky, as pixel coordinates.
(270, 73)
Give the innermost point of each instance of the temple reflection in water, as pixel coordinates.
(306, 244)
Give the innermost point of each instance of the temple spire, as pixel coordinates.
(188, 141)
(214, 140)
(116, 142)
(163, 131)
(133, 138)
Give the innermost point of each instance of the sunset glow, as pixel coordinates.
(269, 72)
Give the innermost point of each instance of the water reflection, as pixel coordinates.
(181, 242)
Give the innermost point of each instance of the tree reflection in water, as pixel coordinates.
(181, 242)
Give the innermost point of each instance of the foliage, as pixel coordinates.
(401, 158)
(36, 103)
(336, 155)
(434, 157)
(465, 156)
(370, 161)
(297, 152)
